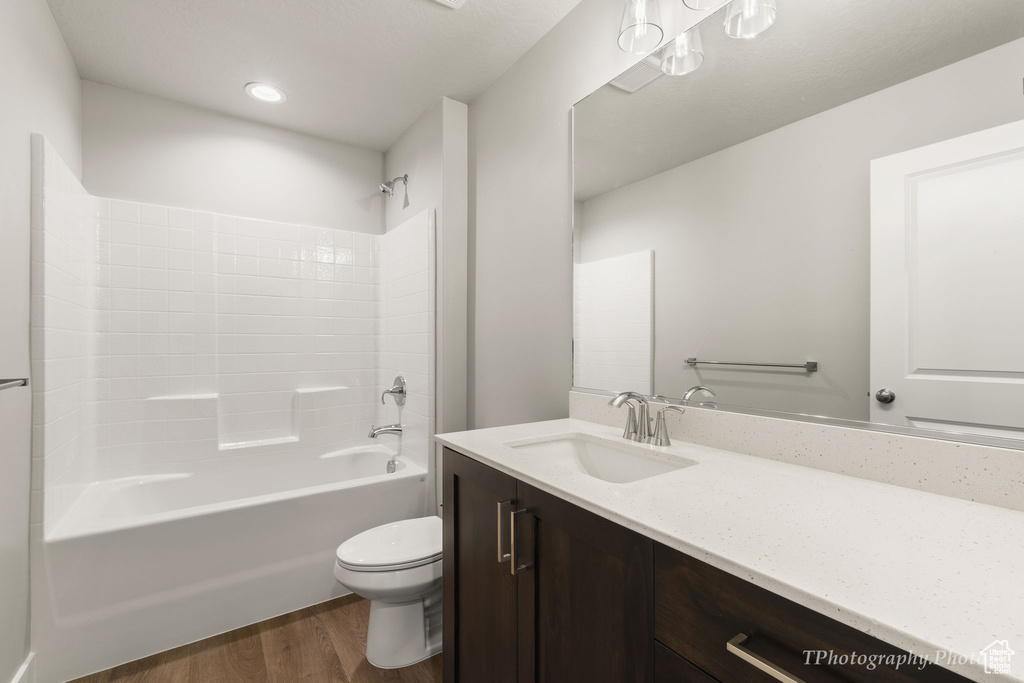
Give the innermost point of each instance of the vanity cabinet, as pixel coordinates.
(480, 611)
(539, 589)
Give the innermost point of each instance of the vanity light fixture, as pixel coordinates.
(641, 29)
(264, 93)
(683, 55)
(748, 18)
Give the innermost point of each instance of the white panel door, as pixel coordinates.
(947, 284)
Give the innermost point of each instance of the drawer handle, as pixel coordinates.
(735, 646)
(503, 508)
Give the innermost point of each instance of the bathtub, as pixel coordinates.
(147, 563)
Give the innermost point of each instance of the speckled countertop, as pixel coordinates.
(924, 572)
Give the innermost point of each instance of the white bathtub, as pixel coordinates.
(147, 563)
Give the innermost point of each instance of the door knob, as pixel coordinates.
(885, 396)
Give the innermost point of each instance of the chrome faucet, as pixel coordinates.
(638, 422)
(386, 429)
(693, 390)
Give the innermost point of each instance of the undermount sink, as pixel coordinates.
(602, 459)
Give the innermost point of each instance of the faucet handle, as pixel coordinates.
(678, 409)
(397, 391)
(660, 437)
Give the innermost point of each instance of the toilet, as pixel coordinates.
(397, 566)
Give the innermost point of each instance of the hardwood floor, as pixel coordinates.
(321, 643)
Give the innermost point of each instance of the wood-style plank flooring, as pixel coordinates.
(321, 643)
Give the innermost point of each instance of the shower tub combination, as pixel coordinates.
(144, 564)
(198, 460)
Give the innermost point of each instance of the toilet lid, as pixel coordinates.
(399, 545)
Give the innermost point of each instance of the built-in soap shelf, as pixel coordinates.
(319, 390)
(205, 407)
(256, 443)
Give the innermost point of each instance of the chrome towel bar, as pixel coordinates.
(11, 383)
(809, 366)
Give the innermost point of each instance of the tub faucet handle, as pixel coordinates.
(397, 391)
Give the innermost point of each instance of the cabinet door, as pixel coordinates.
(479, 591)
(586, 595)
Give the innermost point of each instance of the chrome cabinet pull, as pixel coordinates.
(503, 507)
(735, 646)
(515, 567)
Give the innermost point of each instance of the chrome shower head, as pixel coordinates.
(388, 188)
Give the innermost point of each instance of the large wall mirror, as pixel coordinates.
(826, 220)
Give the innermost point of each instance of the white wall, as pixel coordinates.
(520, 218)
(44, 96)
(419, 152)
(779, 271)
(147, 149)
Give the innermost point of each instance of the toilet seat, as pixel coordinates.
(399, 545)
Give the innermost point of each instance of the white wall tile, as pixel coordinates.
(212, 337)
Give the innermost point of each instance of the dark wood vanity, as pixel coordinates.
(539, 589)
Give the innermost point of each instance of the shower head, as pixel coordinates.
(388, 188)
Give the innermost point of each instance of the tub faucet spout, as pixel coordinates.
(386, 429)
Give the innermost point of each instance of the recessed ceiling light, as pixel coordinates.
(264, 92)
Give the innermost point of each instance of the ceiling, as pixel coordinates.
(354, 71)
(818, 55)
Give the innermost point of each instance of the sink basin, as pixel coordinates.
(602, 459)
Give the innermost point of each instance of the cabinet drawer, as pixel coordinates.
(699, 609)
(671, 668)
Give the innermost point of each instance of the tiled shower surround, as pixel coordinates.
(190, 337)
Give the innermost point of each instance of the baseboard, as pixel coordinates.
(27, 672)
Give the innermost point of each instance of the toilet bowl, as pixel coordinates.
(397, 567)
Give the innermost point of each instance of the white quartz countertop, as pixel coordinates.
(940, 577)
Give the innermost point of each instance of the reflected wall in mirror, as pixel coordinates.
(847, 188)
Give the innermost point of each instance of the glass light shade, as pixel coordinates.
(747, 18)
(683, 55)
(641, 29)
(702, 5)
